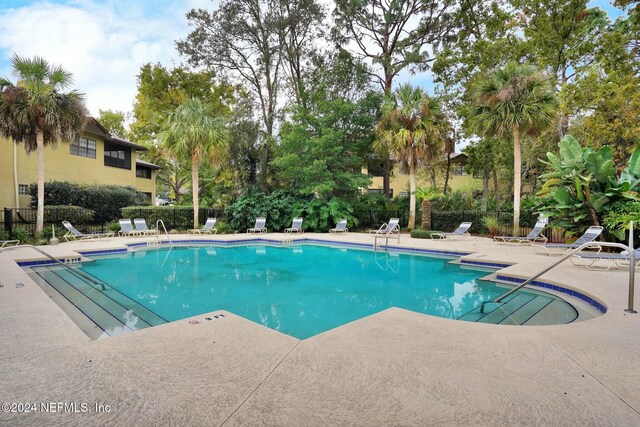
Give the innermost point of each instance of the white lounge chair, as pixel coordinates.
(141, 226)
(74, 234)
(6, 243)
(341, 227)
(534, 236)
(605, 261)
(590, 235)
(296, 226)
(389, 228)
(259, 227)
(126, 228)
(208, 227)
(462, 230)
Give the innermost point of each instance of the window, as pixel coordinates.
(143, 172)
(403, 194)
(117, 156)
(23, 189)
(458, 169)
(83, 147)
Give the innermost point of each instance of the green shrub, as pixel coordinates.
(223, 227)
(113, 226)
(21, 234)
(492, 224)
(419, 233)
(73, 214)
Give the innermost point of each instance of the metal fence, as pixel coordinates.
(23, 220)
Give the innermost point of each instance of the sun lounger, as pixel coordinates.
(296, 226)
(141, 226)
(208, 227)
(590, 235)
(387, 229)
(126, 228)
(462, 230)
(6, 243)
(341, 227)
(605, 261)
(534, 236)
(74, 234)
(259, 227)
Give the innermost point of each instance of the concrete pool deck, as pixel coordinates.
(394, 367)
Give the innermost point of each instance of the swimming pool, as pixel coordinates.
(299, 290)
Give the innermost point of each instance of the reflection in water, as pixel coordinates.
(298, 290)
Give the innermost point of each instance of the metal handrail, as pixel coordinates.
(75, 272)
(158, 222)
(386, 235)
(569, 255)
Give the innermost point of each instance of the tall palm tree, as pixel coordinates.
(414, 130)
(512, 101)
(37, 111)
(193, 132)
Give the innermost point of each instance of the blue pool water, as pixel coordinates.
(300, 290)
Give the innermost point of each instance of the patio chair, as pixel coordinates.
(296, 227)
(387, 229)
(141, 226)
(341, 227)
(208, 227)
(6, 243)
(534, 236)
(74, 234)
(126, 228)
(462, 230)
(259, 227)
(590, 235)
(604, 260)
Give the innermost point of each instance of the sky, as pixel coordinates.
(104, 43)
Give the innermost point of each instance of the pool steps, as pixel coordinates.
(111, 311)
(523, 309)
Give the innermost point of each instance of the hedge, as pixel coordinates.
(73, 214)
(419, 233)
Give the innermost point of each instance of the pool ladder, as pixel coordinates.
(158, 222)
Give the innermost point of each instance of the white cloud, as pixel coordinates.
(104, 46)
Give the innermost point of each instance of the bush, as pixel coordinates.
(492, 224)
(73, 214)
(21, 234)
(419, 233)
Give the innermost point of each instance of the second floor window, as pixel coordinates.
(117, 156)
(83, 147)
(143, 173)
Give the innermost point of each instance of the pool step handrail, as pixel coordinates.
(386, 236)
(568, 255)
(78, 273)
(158, 222)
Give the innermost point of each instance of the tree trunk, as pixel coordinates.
(15, 174)
(485, 191)
(432, 175)
(426, 214)
(412, 193)
(495, 189)
(517, 176)
(386, 178)
(40, 209)
(447, 175)
(195, 182)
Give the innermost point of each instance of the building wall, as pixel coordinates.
(61, 165)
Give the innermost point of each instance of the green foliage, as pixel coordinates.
(618, 218)
(321, 152)
(419, 233)
(428, 194)
(492, 224)
(113, 226)
(19, 233)
(583, 185)
(74, 214)
(321, 215)
(113, 121)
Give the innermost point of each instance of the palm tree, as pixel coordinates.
(193, 132)
(414, 130)
(514, 100)
(37, 111)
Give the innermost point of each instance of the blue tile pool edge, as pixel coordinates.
(572, 292)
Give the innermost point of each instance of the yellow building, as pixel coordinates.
(399, 182)
(95, 158)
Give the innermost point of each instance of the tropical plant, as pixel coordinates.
(618, 219)
(492, 223)
(37, 111)
(512, 101)
(193, 132)
(583, 185)
(426, 195)
(415, 131)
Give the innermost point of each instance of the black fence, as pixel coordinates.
(18, 221)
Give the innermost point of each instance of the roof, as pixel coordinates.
(94, 127)
(147, 164)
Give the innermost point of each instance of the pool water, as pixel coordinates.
(298, 290)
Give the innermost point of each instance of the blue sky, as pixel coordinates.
(104, 43)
